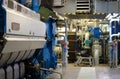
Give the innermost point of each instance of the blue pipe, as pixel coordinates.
(22, 2)
(46, 54)
(2, 19)
(35, 5)
(1, 2)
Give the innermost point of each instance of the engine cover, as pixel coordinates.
(21, 32)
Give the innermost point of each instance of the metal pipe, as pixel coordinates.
(1, 1)
(44, 69)
(36, 5)
(119, 7)
(114, 35)
(111, 35)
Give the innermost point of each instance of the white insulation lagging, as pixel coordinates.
(96, 51)
(96, 56)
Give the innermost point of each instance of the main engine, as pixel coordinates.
(21, 34)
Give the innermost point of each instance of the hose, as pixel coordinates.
(52, 71)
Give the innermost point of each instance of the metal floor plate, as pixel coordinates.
(89, 73)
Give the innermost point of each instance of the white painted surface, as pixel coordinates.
(28, 21)
(28, 25)
(58, 3)
(18, 44)
(28, 32)
(87, 73)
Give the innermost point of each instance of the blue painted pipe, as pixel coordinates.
(1, 2)
(47, 55)
(22, 2)
(2, 19)
(35, 5)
